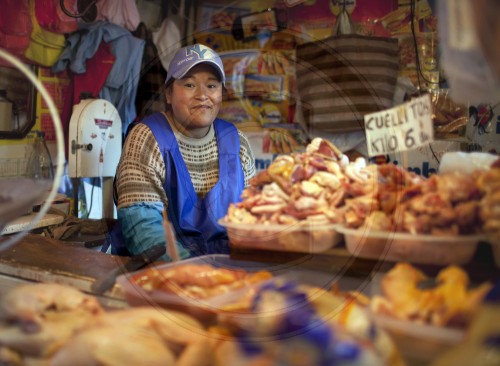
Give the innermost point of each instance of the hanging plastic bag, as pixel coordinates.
(45, 47)
(471, 76)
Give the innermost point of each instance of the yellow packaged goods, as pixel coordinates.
(262, 87)
(449, 118)
(267, 87)
(255, 61)
(267, 74)
(283, 141)
(247, 110)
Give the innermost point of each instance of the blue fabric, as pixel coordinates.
(142, 228)
(121, 84)
(195, 219)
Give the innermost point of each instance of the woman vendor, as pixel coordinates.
(185, 161)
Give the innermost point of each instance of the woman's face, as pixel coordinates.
(195, 100)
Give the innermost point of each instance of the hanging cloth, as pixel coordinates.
(15, 28)
(149, 96)
(121, 12)
(121, 83)
(45, 46)
(92, 81)
(167, 40)
(51, 17)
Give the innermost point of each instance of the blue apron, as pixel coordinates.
(195, 219)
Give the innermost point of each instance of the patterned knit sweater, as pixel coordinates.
(141, 171)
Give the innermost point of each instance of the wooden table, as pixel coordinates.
(22, 222)
(41, 259)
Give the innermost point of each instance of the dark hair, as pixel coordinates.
(169, 85)
(170, 82)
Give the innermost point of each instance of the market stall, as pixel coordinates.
(287, 273)
(369, 236)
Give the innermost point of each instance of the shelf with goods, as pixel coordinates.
(260, 74)
(262, 96)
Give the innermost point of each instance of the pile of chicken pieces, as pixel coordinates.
(322, 186)
(489, 183)
(51, 324)
(446, 301)
(197, 281)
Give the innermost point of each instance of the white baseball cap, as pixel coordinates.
(188, 57)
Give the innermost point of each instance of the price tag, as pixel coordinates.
(401, 128)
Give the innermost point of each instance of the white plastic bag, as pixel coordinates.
(466, 162)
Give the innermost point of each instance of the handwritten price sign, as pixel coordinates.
(401, 128)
